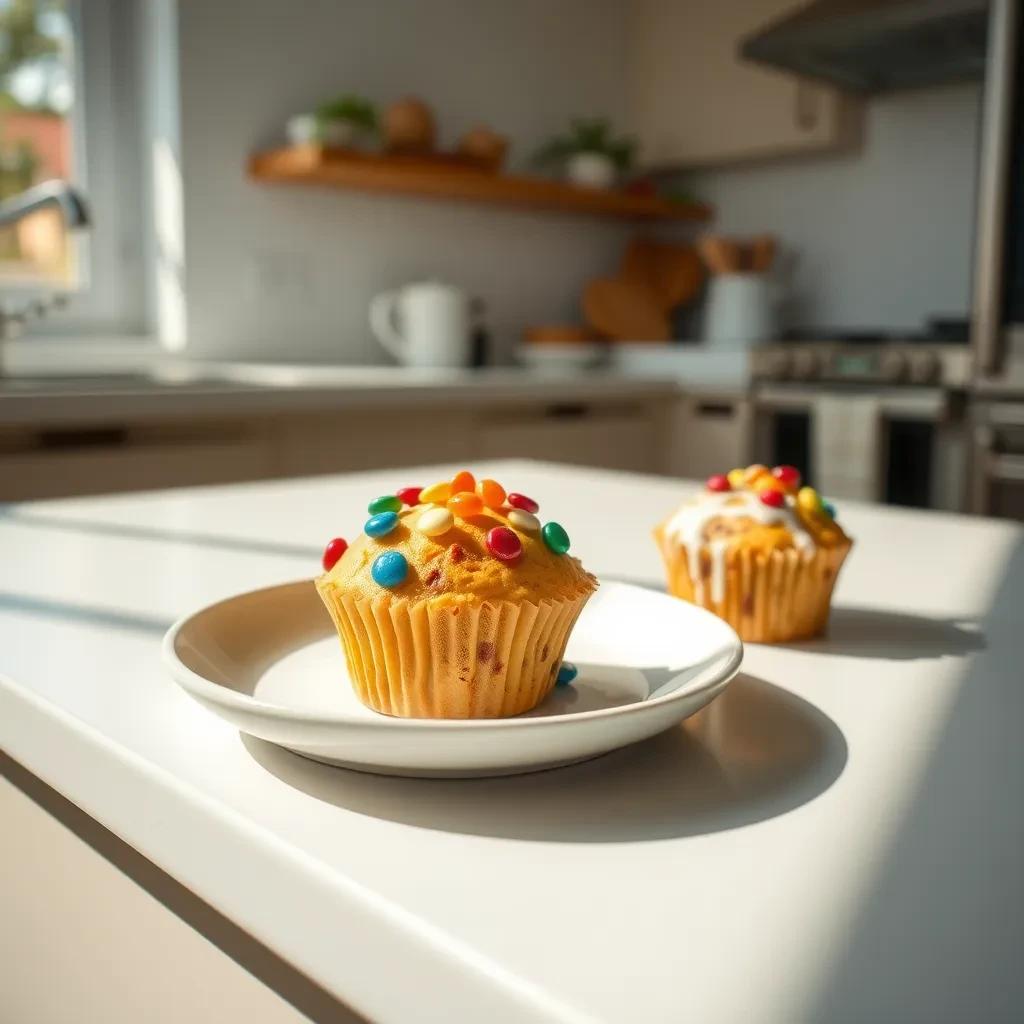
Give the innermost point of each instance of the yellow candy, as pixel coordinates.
(736, 478)
(809, 500)
(436, 494)
(767, 483)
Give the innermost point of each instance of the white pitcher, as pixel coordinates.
(425, 324)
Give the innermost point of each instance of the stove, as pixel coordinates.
(937, 357)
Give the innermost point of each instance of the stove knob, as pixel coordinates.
(805, 365)
(891, 366)
(924, 367)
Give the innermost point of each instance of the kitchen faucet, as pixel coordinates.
(76, 217)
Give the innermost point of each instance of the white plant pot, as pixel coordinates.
(302, 129)
(591, 170)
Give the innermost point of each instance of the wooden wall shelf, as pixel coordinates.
(451, 179)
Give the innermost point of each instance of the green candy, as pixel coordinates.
(555, 537)
(385, 503)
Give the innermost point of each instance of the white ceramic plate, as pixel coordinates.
(270, 663)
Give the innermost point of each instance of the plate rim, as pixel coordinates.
(197, 685)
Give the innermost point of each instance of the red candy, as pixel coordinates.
(523, 502)
(788, 476)
(334, 550)
(772, 498)
(409, 495)
(504, 543)
(719, 482)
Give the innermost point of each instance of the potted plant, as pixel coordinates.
(339, 123)
(588, 155)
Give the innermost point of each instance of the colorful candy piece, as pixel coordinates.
(828, 508)
(555, 537)
(385, 503)
(463, 481)
(523, 502)
(435, 521)
(334, 550)
(754, 471)
(504, 544)
(809, 500)
(771, 497)
(788, 476)
(567, 672)
(736, 478)
(381, 524)
(525, 521)
(389, 568)
(492, 493)
(436, 494)
(466, 504)
(409, 495)
(719, 483)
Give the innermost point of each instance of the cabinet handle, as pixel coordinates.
(96, 437)
(720, 410)
(566, 411)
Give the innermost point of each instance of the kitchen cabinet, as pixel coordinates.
(122, 454)
(692, 101)
(626, 436)
(711, 434)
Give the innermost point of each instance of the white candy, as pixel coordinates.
(435, 521)
(523, 520)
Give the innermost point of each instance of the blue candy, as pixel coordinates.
(381, 523)
(566, 674)
(389, 569)
(828, 508)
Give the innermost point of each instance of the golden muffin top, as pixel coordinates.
(457, 540)
(758, 509)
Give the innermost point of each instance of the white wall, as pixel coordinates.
(282, 272)
(883, 236)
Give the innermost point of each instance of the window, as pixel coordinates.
(36, 98)
(72, 97)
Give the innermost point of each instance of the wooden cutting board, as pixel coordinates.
(675, 273)
(625, 310)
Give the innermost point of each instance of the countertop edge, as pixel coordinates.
(112, 785)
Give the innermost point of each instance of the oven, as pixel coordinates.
(997, 458)
(884, 421)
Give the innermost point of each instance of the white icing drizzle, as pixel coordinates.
(686, 527)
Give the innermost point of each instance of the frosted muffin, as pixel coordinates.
(454, 602)
(759, 551)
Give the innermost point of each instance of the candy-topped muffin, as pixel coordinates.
(455, 601)
(758, 550)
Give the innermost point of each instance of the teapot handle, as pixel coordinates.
(382, 321)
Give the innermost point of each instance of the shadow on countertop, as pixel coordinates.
(894, 636)
(756, 752)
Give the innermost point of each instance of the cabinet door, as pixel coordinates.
(628, 438)
(692, 101)
(711, 435)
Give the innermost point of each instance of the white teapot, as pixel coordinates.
(425, 324)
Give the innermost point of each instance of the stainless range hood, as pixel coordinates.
(870, 46)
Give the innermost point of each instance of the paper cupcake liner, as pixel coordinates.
(767, 597)
(428, 659)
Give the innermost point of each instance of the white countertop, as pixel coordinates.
(838, 838)
(196, 390)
